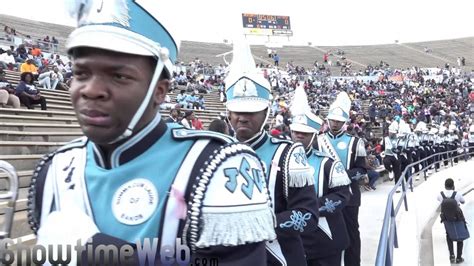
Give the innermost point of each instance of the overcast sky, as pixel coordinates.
(329, 22)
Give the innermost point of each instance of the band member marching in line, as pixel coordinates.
(418, 152)
(443, 142)
(351, 152)
(289, 177)
(471, 139)
(405, 153)
(453, 141)
(390, 160)
(428, 146)
(325, 245)
(133, 177)
(436, 142)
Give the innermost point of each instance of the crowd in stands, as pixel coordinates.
(438, 94)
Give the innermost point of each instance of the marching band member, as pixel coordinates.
(133, 177)
(289, 177)
(325, 245)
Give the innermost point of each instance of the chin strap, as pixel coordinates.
(310, 145)
(146, 101)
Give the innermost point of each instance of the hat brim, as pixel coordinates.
(112, 39)
(302, 128)
(115, 39)
(336, 118)
(246, 106)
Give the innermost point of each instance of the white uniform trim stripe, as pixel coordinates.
(349, 154)
(272, 175)
(275, 249)
(170, 227)
(321, 179)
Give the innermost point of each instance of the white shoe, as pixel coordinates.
(391, 175)
(417, 176)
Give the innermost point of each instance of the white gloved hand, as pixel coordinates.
(64, 228)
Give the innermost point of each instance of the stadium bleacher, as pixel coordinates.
(397, 55)
(26, 135)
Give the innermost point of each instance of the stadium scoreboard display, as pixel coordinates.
(256, 24)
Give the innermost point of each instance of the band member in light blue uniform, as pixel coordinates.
(325, 245)
(351, 152)
(289, 176)
(133, 177)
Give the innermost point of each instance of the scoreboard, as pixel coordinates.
(256, 24)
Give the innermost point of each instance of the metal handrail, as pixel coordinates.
(388, 236)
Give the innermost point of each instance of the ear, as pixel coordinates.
(161, 90)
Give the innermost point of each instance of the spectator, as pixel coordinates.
(270, 53)
(28, 93)
(372, 163)
(452, 217)
(166, 104)
(173, 116)
(29, 67)
(7, 93)
(28, 41)
(200, 103)
(219, 125)
(55, 43)
(36, 51)
(182, 100)
(21, 53)
(276, 59)
(50, 79)
(7, 60)
(196, 123)
(187, 119)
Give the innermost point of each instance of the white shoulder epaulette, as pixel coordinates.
(184, 133)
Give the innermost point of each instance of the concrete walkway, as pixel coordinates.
(409, 224)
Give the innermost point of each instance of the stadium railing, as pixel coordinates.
(388, 237)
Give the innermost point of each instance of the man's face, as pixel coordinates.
(335, 125)
(247, 125)
(304, 138)
(107, 90)
(174, 113)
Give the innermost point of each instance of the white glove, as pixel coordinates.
(64, 228)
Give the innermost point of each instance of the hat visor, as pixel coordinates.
(302, 128)
(246, 106)
(336, 118)
(111, 38)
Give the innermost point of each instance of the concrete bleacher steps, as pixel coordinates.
(37, 29)
(396, 55)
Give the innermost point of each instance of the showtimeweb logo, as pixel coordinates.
(146, 252)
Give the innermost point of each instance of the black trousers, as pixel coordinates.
(454, 151)
(404, 161)
(445, 156)
(437, 158)
(352, 253)
(332, 260)
(451, 247)
(392, 164)
(422, 155)
(415, 156)
(28, 102)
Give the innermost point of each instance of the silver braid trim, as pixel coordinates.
(192, 228)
